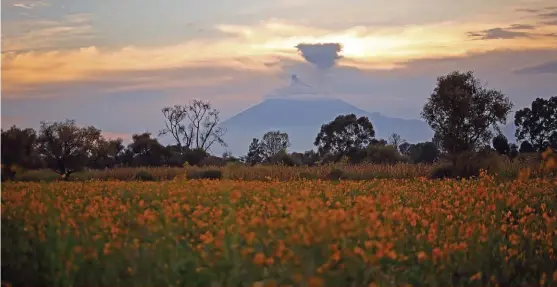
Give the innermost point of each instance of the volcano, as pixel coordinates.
(300, 110)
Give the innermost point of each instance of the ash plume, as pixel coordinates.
(322, 55)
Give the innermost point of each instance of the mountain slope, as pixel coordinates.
(302, 118)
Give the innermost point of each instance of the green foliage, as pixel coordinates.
(444, 170)
(308, 175)
(425, 152)
(470, 163)
(195, 156)
(383, 154)
(501, 144)
(344, 134)
(66, 146)
(144, 175)
(204, 174)
(462, 112)
(538, 124)
(336, 174)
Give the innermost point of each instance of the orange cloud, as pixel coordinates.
(251, 47)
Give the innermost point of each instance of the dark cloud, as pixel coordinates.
(322, 55)
(521, 27)
(554, 22)
(498, 33)
(552, 14)
(544, 68)
(528, 10)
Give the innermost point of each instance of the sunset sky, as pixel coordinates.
(115, 64)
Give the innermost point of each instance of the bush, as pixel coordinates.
(195, 156)
(144, 175)
(469, 164)
(204, 174)
(283, 158)
(336, 174)
(383, 154)
(442, 171)
(308, 175)
(212, 161)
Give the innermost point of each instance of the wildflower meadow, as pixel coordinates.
(382, 232)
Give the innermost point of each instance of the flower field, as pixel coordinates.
(384, 232)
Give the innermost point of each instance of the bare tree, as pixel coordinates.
(396, 140)
(193, 126)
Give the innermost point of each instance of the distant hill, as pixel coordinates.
(300, 109)
(302, 118)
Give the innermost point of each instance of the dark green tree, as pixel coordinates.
(501, 144)
(513, 151)
(538, 124)
(18, 149)
(106, 153)
(344, 135)
(526, 147)
(66, 147)
(425, 152)
(255, 153)
(462, 112)
(274, 142)
(147, 151)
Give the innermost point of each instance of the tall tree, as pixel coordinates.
(425, 152)
(501, 144)
(538, 124)
(255, 153)
(18, 147)
(67, 147)
(345, 134)
(106, 153)
(193, 126)
(463, 113)
(274, 142)
(147, 151)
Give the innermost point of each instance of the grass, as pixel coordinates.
(261, 172)
(275, 233)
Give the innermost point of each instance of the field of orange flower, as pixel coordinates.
(385, 232)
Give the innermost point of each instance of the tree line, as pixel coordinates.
(464, 115)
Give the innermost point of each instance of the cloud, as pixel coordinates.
(322, 55)
(29, 4)
(498, 33)
(29, 35)
(241, 48)
(544, 68)
(521, 27)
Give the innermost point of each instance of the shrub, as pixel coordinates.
(444, 170)
(336, 174)
(195, 156)
(383, 154)
(469, 164)
(308, 175)
(144, 175)
(204, 174)
(284, 158)
(212, 161)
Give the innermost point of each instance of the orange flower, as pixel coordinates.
(422, 256)
(315, 282)
(259, 258)
(476, 276)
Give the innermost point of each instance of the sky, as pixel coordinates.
(116, 64)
